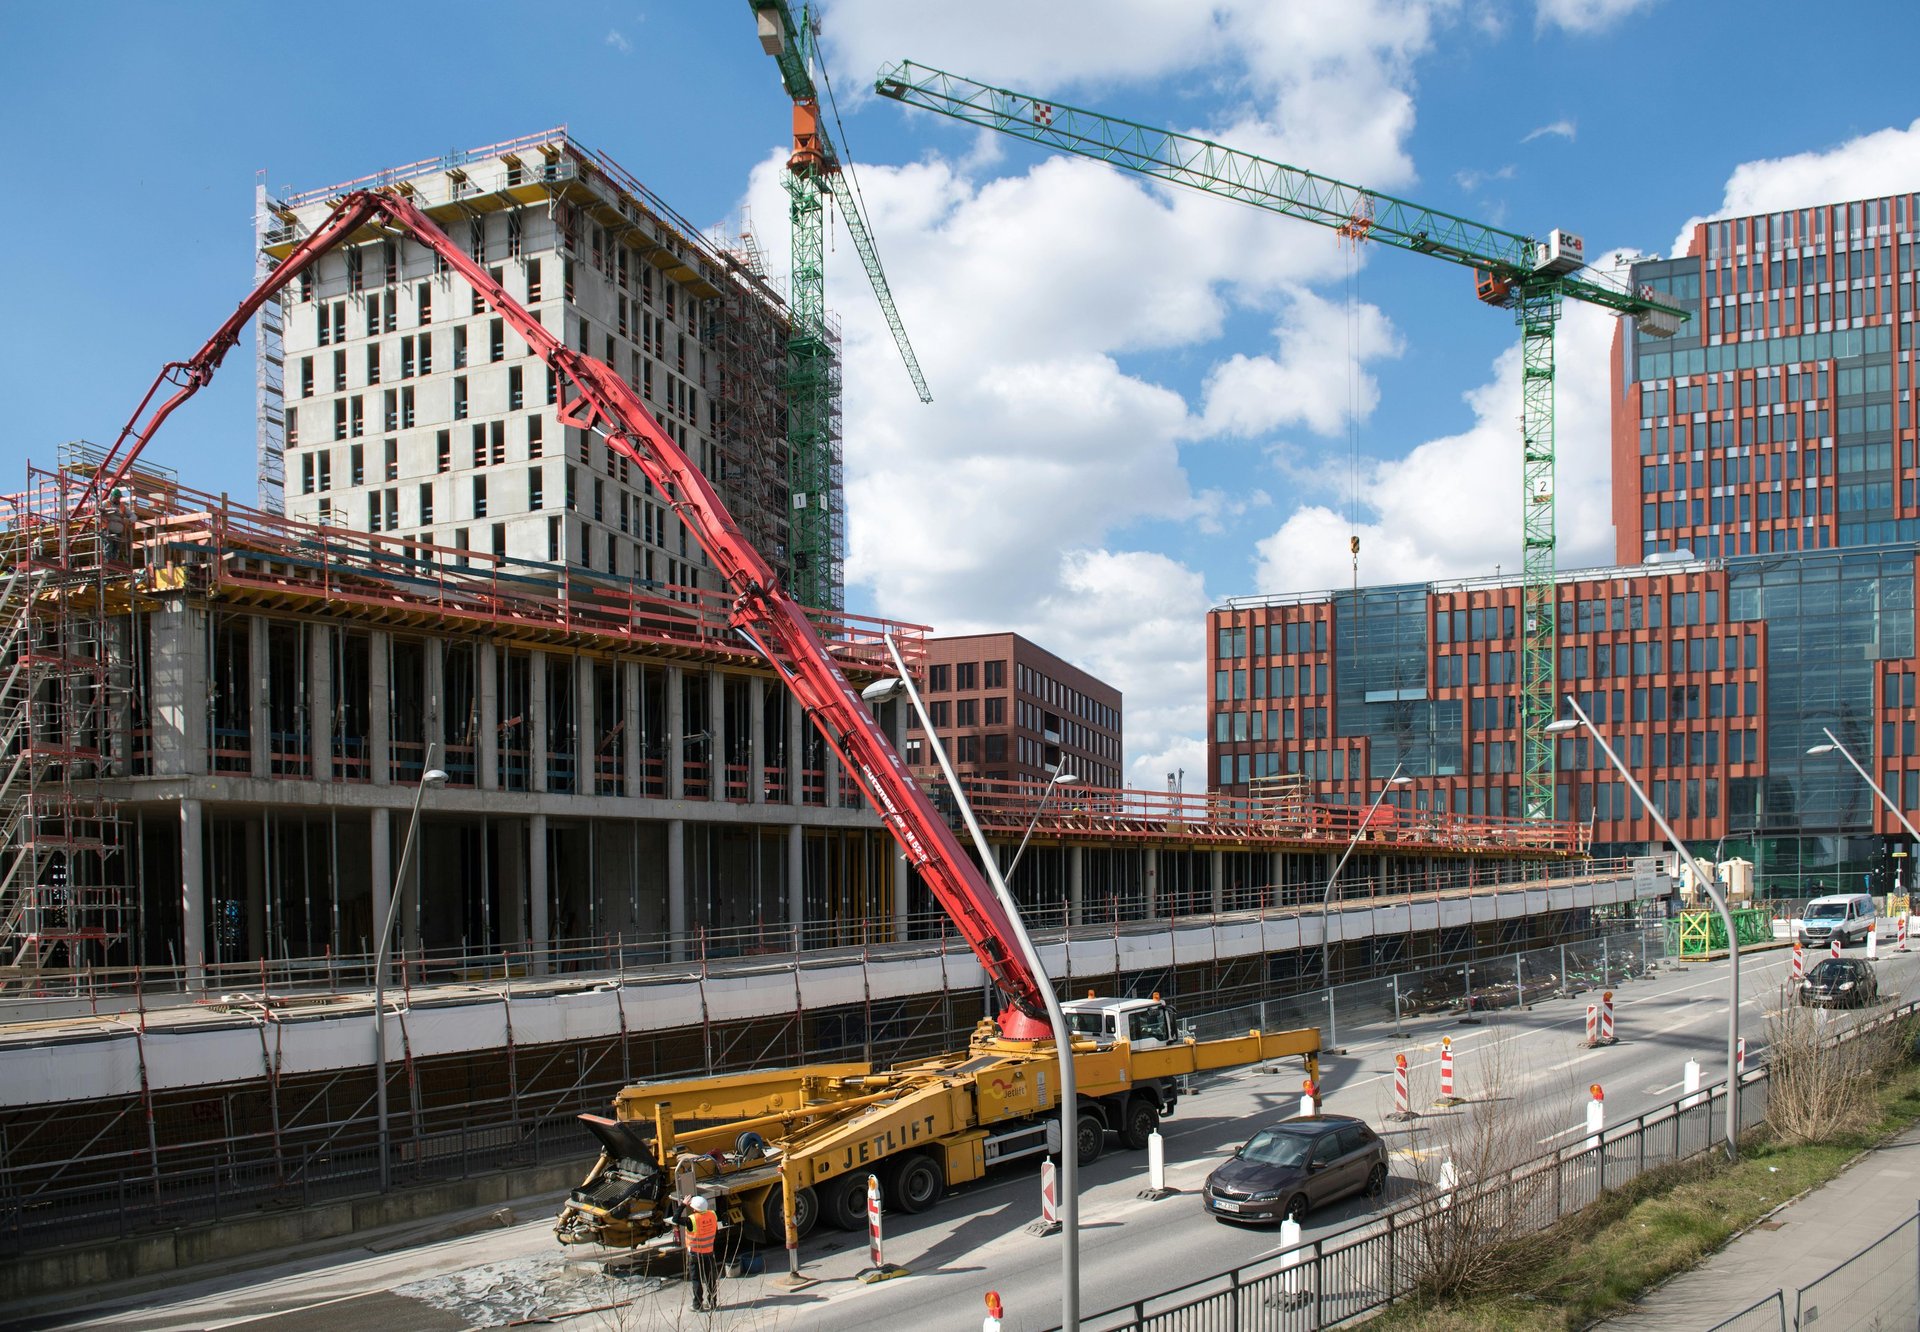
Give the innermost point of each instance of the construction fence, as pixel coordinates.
(1876, 1289)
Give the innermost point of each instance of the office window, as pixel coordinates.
(479, 497)
(356, 465)
(536, 487)
(443, 450)
(460, 397)
(392, 472)
(426, 501)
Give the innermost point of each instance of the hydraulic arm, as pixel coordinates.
(594, 397)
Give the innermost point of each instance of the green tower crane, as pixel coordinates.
(1528, 276)
(816, 542)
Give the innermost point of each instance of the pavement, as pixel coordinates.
(1800, 1243)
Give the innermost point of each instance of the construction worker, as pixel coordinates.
(118, 524)
(701, 1226)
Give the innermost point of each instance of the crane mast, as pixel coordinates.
(813, 369)
(1521, 273)
(594, 397)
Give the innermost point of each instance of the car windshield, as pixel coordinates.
(1276, 1149)
(1832, 971)
(1087, 1024)
(1826, 911)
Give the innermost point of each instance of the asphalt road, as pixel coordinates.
(1532, 1065)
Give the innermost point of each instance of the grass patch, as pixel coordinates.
(1599, 1261)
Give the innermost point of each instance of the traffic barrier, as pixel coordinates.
(1593, 1024)
(1156, 1170)
(1799, 962)
(1873, 941)
(1400, 1098)
(1833, 949)
(1900, 929)
(1596, 1115)
(1740, 1056)
(1309, 1097)
(1449, 1181)
(1049, 1222)
(879, 1269)
(995, 1312)
(1290, 1258)
(1690, 1084)
(1606, 1018)
(1446, 1072)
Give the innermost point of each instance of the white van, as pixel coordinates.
(1848, 917)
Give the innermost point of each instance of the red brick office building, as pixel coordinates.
(1009, 710)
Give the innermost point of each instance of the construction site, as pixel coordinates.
(516, 746)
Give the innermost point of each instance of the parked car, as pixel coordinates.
(1840, 982)
(1848, 917)
(1286, 1169)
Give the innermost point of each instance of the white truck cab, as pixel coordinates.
(1142, 1023)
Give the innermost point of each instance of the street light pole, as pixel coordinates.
(1056, 1017)
(430, 777)
(1326, 897)
(1833, 743)
(1712, 887)
(1058, 779)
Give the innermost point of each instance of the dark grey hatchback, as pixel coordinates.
(1297, 1164)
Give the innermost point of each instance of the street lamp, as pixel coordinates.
(1058, 779)
(879, 691)
(1833, 744)
(1712, 886)
(431, 777)
(1326, 897)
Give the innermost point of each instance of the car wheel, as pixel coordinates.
(1296, 1209)
(806, 1211)
(1143, 1118)
(843, 1202)
(1091, 1140)
(1377, 1182)
(917, 1183)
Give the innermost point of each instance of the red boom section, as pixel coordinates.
(596, 398)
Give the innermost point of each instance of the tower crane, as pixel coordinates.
(1528, 276)
(813, 372)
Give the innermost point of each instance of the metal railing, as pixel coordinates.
(1336, 1277)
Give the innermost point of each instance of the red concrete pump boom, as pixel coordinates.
(594, 397)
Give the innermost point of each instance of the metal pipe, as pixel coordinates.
(1326, 896)
(1884, 799)
(430, 777)
(1712, 888)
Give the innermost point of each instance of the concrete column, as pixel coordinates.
(179, 691)
(193, 896)
(509, 870)
(259, 718)
(796, 746)
(630, 724)
(756, 739)
(587, 724)
(253, 891)
(435, 735)
(717, 750)
(1276, 869)
(677, 887)
(676, 758)
(1216, 872)
(902, 888)
(380, 707)
(831, 763)
(539, 936)
(536, 731)
(487, 662)
(1153, 883)
(1076, 885)
(320, 699)
(380, 881)
(797, 879)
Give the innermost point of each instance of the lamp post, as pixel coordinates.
(1326, 897)
(883, 689)
(1833, 744)
(1712, 887)
(1058, 779)
(431, 777)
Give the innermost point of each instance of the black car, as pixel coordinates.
(1840, 982)
(1297, 1164)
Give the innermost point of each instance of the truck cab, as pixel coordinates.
(1145, 1024)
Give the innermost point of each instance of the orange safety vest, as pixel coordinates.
(705, 1225)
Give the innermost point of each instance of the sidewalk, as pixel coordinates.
(1793, 1247)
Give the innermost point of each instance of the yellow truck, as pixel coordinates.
(749, 1141)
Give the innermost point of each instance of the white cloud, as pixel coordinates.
(1588, 16)
(1884, 162)
(618, 41)
(1560, 129)
(1471, 181)
(1451, 507)
(1317, 380)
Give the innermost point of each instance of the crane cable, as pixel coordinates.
(1353, 428)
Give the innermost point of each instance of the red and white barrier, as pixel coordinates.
(1049, 1222)
(1833, 949)
(1606, 1018)
(1740, 1056)
(1596, 1115)
(1799, 963)
(1309, 1097)
(1446, 1070)
(878, 1269)
(1873, 941)
(995, 1312)
(1400, 1097)
(1900, 930)
(1593, 1024)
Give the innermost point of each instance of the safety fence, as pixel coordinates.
(1877, 1288)
(1328, 1280)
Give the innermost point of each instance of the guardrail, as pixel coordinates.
(1328, 1280)
(1878, 1287)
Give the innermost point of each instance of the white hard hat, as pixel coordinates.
(698, 1204)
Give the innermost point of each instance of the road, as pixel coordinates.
(1532, 1063)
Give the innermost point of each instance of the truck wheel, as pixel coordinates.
(1143, 1118)
(916, 1183)
(843, 1202)
(806, 1211)
(1092, 1138)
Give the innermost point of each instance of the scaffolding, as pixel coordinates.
(749, 333)
(269, 357)
(64, 693)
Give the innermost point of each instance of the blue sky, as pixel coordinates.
(1144, 402)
